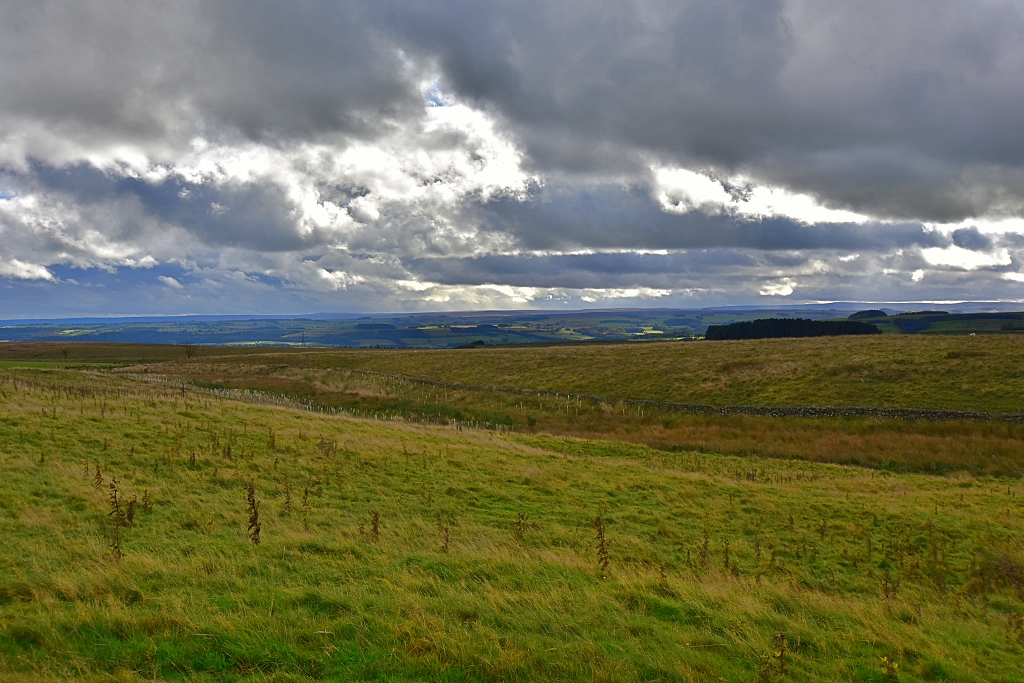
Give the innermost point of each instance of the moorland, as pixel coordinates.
(450, 330)
(513, 513)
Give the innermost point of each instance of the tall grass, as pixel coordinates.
(935, 593)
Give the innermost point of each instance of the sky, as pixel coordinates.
(209, 156)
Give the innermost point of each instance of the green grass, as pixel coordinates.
(983, 373)
(7, 364)
(194, 600)
(72, 353)
(353, 380)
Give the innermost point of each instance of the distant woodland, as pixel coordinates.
(788, 327)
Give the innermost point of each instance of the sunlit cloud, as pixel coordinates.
(957, 257)
(404, 156)
(679, 190)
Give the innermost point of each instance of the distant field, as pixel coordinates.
(963, 373)
(418, 330)
(76, 352)
(484, 564)
(4, 364)
(933, 372)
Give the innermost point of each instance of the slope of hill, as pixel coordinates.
(397, 552)
(906, 371)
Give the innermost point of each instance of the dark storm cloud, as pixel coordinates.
(216, 134)
(613, 217)
(582, 271)
(905, 109)
(251, 215)
(971, 238)
(898, 108)
(159, 73)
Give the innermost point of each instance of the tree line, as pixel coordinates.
(788, 327)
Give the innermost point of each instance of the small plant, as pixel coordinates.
(890, 586)
(97, 481)
(520, 526)
(147, 502)
(305, 510)
(326, 448)
(375, 526)
(254, 515)
(705, 547)
(271, 439)
(780, 653)
(890, 669)
(117, 519)
(129, 513)
(192, 458)
(287, 498)
(442, 530)
(602, 547)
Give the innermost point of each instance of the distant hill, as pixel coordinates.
(441, 330)
(788, 327)
(942, 322)
(861, 315)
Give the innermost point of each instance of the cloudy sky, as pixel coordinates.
(214, 156)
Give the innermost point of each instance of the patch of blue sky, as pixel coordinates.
(120, 277)
(435, 96)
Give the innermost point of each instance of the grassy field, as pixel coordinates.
(984, 373)
(75, 353)
(961, 373)
(986, 447)
(484, 562)
(957, 373)
(6, 364)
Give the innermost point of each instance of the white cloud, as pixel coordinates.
(780, 288)
(679, 190)
(170, 282)
(339, 279)
(396, 194)
(965, 259)
(24, 271)
(415, 285)
(630, 293)
(520, 295)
